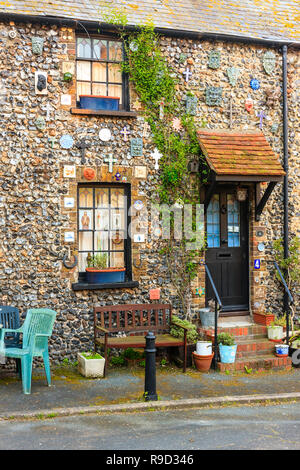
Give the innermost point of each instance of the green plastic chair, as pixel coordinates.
(36, 330)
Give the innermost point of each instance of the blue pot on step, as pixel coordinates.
(227, 353)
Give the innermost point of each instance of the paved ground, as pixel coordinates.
(69, 389)
(247, 427)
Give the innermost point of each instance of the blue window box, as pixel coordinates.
(108, 103)
(105, 276)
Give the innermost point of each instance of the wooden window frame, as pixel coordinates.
(127, 240)
(125, 105)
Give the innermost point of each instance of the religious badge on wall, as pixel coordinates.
(66, 141)
(104, 135)
(69, 171)
(89, 174)
(249, 105)
(140, 172)
(273, 96)
(214, 59)
(269, 61)
(40, 123)
(213, 96)
(69, 202)
(136, 147)
(66, 100)
(191, 105)
(233, 74)
(69, 237)
(37, 45)
(41, 83)
(254, 83)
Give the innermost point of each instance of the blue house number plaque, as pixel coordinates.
(257, 264)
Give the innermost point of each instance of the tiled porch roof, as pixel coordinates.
(230, 153)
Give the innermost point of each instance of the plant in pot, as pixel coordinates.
(192, 338)
(133, 356)
(91, 364)
(275, 331)
(227, 348)
(97, 271)
(263, 318)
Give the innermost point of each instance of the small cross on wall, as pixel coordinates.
(230, 111)
(125, 133)
(261, 116)
(156, 155)
(110, 160)
(82, 145)
(187, 74)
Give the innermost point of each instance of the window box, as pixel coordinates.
(108, 103)
(105, 276)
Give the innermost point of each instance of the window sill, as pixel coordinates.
(92, 112)
(112, 285)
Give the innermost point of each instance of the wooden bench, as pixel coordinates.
(135, 320)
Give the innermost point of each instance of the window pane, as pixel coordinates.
(83, 88)
(115, 51)
(99, 72)
(233, 221)
(82, 263)
(117, 219)
(117, 260)
(83, 70)
(115, 90)
(117, 197)
(114, 73)
(101, 241)
(85, 241)
(102, 219)
(84, 48)
(99, 90)
(101, 197)
(117, 240)
(86, 220)
(213, 222)
(85, 197)
(99, 49)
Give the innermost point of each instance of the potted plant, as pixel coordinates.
(275, 332)
(282, 350)
(91, 364)
(227, 347)
(132, 356)
(263, 318)
(97, 271)
(104, 103)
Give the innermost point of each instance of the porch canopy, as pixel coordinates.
(240, 156)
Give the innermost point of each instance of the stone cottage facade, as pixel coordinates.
(61, 164)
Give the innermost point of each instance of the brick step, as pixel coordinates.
(248, 348)
(258, 331)
(266, 362)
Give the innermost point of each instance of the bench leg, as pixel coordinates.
(105, 355)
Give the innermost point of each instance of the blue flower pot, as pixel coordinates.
(227, 353)
(97, 103)
(282, 349)
(105, 276)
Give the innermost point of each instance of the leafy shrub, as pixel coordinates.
(117, 361)
(226, 339)
(177, 332)
(131, 353)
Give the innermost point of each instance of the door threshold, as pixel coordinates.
(235, 313)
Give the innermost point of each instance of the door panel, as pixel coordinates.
(227, 252)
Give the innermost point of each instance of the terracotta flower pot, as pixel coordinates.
(263, 319)
(202, 363)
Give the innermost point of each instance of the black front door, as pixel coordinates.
(227, 250)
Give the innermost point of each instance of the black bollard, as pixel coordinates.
(150, 369)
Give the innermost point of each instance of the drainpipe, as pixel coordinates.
(286, 169)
